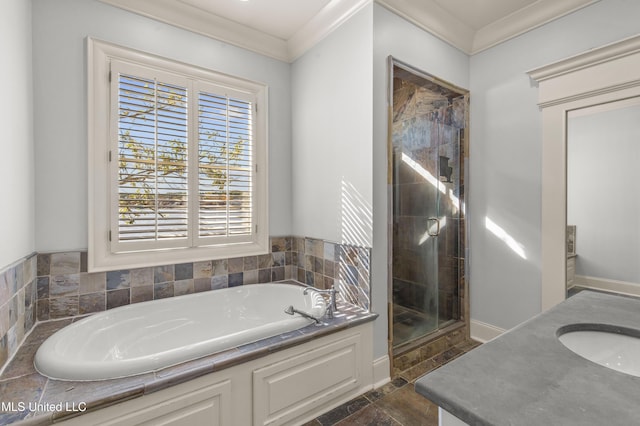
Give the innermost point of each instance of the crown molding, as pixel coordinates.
(330, 17)
(185, 16)
(435, 20)
(523, 20)
(432, 18)
(188, 17)
(429, 16)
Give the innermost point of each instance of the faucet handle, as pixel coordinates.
(333, 291)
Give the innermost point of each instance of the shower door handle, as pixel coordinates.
(436, 222)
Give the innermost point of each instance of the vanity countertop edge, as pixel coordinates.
(526, 376)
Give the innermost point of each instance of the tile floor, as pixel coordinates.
(396, 403)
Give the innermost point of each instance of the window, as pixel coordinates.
(177, 162)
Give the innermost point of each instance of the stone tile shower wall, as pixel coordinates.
(17, 305)
(66, 289)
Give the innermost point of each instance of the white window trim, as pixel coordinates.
(100, 256)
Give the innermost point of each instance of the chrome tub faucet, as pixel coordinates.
(332, 307)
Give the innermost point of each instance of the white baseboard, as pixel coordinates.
(483, 332)
(603, 284)
(381, 371)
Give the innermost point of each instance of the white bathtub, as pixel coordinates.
(148, 336)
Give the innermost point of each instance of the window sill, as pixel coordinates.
(102, 260)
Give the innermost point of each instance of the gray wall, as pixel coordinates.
(60, 28)
(331, 119)
(16, 143)
(505, 163)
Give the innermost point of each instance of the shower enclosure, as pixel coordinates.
(427, 120)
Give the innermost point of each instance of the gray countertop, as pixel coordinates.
(528, 377)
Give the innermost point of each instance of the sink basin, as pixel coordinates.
(612, 347)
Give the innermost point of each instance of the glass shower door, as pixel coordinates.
(427, 124)
(417, 227)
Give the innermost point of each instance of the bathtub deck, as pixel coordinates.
(54, 400)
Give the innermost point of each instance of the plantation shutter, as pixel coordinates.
(150, 183)
(178, 161)
(225, 151)
(182, 174)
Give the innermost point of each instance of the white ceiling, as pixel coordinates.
(285, 29)
(480, 13)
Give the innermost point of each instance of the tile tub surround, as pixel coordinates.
(528, 377)
(21, 383)
(47, 286)
(17, 305)
(65, 289)
(323, 263)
